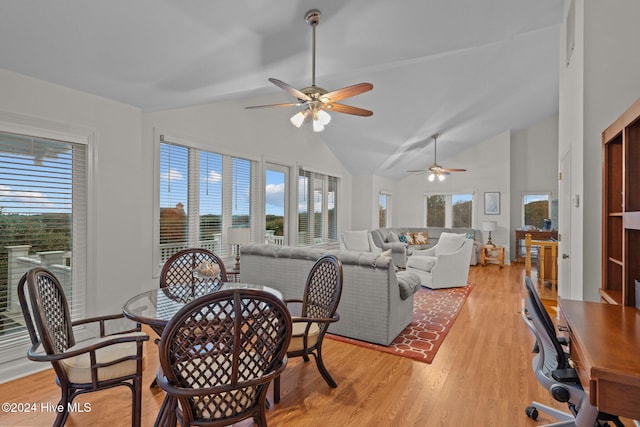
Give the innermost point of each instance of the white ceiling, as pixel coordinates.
(468, 69)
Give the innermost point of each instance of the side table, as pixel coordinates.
(492, 253)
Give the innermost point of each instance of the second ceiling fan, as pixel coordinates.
(436, 170)
(316, 100)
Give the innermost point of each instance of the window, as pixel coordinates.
(43, 222)
(383, 210)
(201, 195)
(276, 206)
(449, 210)
(317, 208)
(535, 209)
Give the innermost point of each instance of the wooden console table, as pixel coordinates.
(604, 345)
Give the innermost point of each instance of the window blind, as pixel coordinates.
(202, 194)
(43, 222)
(317, 208)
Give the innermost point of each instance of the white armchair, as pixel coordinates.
(446, 265)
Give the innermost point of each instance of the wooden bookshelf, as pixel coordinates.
(621, 208)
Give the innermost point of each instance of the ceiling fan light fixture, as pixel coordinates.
(298, 119)
(318, 126)
(431, 177)
(441, 177)
(323, 117)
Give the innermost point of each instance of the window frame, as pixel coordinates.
(387, 209)
(12, 353)
(326, 226)
(193, 235)
(449, 206)
(534, 193)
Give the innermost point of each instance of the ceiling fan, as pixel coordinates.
(436, 170)
(316, 100)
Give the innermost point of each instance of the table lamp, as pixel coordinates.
(490, 226)
(237, 236)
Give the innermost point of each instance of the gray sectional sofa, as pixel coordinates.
(376, 303)
(387, 238)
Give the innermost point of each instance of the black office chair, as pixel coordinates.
(552, 369)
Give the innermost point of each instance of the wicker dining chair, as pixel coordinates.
(218, 355)
(100, 363)
(179, 268)
(322, 294)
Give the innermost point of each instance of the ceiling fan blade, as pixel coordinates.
(347, 109)
(346, 92)
(418, 170)
(290, 89)
(289, 104)
(454, 170)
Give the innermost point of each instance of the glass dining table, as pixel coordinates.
(158, 306)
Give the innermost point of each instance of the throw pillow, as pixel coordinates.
(410, 239)
(386, 253)
(421, 238)
(471, 236)
(402, 238)
(393, 237)
(449, 243)
(356, 240)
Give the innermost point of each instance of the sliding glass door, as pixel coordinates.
(276, 198)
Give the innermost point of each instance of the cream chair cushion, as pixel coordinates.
(297, 336)
(422, 262)
(78, 368)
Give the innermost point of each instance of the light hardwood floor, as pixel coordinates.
(481, 376)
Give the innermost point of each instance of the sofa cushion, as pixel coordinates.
(356, 240)
(422, 262)
(449, 243)
(408, 282)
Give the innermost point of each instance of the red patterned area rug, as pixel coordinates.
(435, 310)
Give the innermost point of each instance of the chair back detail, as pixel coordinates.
(179, 268)
(219, 353)
(49, 311)
(323, 290)
(102, 362)
(552, 354)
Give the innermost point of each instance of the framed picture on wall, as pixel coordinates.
(492, 203)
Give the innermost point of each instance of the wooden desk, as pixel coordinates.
(605, 348)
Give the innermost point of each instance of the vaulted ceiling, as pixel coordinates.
(468, 69)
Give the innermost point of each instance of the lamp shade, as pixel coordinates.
(238, 236)
(489, 225)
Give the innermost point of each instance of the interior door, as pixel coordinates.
(276, 197)
(564, 227)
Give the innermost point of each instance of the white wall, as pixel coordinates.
(226, 127)
(599, 84)
(488, 169)
(534, 165)
(119, 228)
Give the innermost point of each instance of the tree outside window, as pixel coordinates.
(449, 210)
(535, 209)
